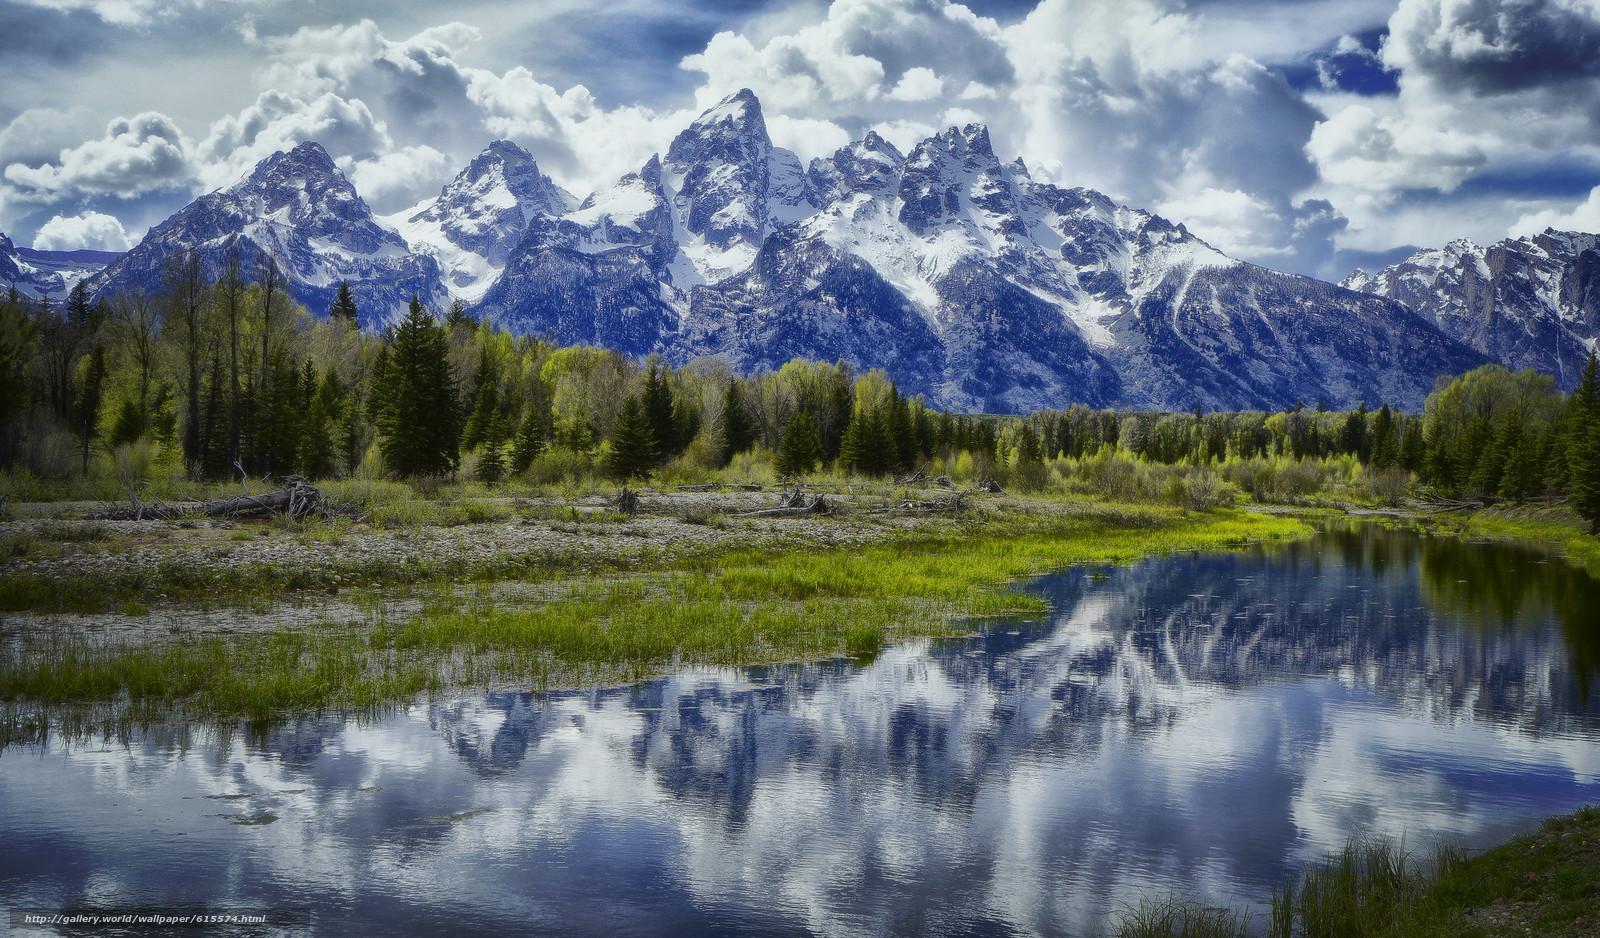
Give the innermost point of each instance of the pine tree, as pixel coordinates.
(486, 400)
(800, 449)
(344, 304)
(658, 409)
(852, 448)
(903, 432)
(492, 458)
(532, 434)
(86, 409)
(1520, 469)
(1583, 447)
(633, 448)
(419, 421)
(457, 316)
(319, 444)
(735, 433)
(1385, 447)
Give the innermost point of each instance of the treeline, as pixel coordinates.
(221, 376)
(227, 376)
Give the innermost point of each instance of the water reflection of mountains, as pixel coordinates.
(1499, 634)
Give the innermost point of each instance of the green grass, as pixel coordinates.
(1546, 883)
(728, 609)
(1557, 526)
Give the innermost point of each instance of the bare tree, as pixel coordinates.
(138, 322)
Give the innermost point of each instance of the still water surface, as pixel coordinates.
(1198, 724)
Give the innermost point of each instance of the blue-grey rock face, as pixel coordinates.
(1530, 302)
(805, 298)
(298, 208)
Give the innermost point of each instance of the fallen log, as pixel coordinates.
(819, 505)
(297, 499)
(707, 487)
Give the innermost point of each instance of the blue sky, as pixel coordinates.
(1308, 135)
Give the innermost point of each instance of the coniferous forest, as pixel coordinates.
(226, 378)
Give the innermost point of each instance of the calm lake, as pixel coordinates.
(1201, 725)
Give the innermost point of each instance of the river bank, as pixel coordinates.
(681, 585)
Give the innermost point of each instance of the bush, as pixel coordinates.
(558, 465)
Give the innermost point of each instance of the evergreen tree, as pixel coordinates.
(344, 304)
(457, 316)
(633, 448)
(735, 432)
(903, 432)
(658, 409)
(532, 434)
(1385, 445)
(852, 449)
(319, 443)
(86, 409)
(1353, 437)
(1520, 468)
(800, 450)
(486, 400)
(492, 457)
(1583, 447)
(418, 420)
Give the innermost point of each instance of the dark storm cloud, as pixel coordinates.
(1501, 46)
(31, 36)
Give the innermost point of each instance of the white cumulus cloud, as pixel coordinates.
(93, 230)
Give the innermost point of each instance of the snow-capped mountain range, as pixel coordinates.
(1529, 302)
(36, 273)
(963, 276)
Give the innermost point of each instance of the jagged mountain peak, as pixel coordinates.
(732, 130)
(306, 164)
(298, 209)
(479, 216)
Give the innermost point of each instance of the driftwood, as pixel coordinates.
(957, 502)
(793, 504)
(718, 486)
(990, 486)
(708, 487)
(297, 499)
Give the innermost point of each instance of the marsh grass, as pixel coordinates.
(1546, 883)
(715, 610)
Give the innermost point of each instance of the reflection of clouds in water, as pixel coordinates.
(1204, 724)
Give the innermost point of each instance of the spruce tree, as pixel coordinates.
(1583, 447)
(419, 420)
(457, 316)
(86, 409)
(852, 448)
(735, 433)
(532, 434)
(344, 304)
(492, 458)
(658, 409)
(319, 443)
(1385, 447)
(633, 448)
(1520, 471)
(800, 450)
(486, 401)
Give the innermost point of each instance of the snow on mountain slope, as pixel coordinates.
(959, 273)
(298, 208)
(476, 220)
(37, 273)
(1530, 302)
